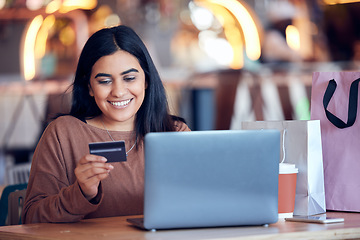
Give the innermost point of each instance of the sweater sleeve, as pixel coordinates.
(53, 194)
(181, 126)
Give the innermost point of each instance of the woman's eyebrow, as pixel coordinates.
(123, 73)
(129, 71)
(102, 75)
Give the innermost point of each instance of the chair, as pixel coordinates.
(16, 202)
(4, 201)
(18, 173)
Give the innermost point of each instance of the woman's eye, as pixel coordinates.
(129, 78)
(105, 81)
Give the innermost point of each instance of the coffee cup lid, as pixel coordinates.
(287, 168)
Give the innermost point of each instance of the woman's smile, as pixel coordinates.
(122, 104)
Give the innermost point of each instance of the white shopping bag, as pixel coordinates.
(301, 145)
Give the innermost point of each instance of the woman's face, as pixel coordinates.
(118, 85)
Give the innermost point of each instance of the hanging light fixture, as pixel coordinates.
(245, 33)
(28, 63)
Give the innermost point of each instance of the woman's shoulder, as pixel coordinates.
(61, 128)
(64, 124)
(66, 120)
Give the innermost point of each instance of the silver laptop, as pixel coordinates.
(210, 179)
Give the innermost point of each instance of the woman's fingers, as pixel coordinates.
(95, 167)
(90, 161)
(91, 169)
(92, 158)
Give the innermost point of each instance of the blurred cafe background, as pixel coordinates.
(222, 61)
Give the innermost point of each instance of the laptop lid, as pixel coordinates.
(211, 178)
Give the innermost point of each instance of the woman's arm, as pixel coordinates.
(54, 192)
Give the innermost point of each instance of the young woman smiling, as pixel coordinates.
(117, 95)
(117, 83)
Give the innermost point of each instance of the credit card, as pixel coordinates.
(112, 151)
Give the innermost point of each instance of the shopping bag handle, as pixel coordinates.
(353, 102)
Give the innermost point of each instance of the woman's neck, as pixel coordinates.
(103, 123)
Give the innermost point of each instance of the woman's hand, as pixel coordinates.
(90, 170)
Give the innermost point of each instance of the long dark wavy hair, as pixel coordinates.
(153, 115)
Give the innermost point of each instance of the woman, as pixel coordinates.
(117, 95)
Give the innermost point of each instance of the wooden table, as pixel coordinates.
(118, 228)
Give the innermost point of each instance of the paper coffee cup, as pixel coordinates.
(287, 189)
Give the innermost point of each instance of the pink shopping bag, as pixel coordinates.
(334, 101)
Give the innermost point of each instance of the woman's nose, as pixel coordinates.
(119, 89)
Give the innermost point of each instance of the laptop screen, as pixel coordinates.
(211, 178)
